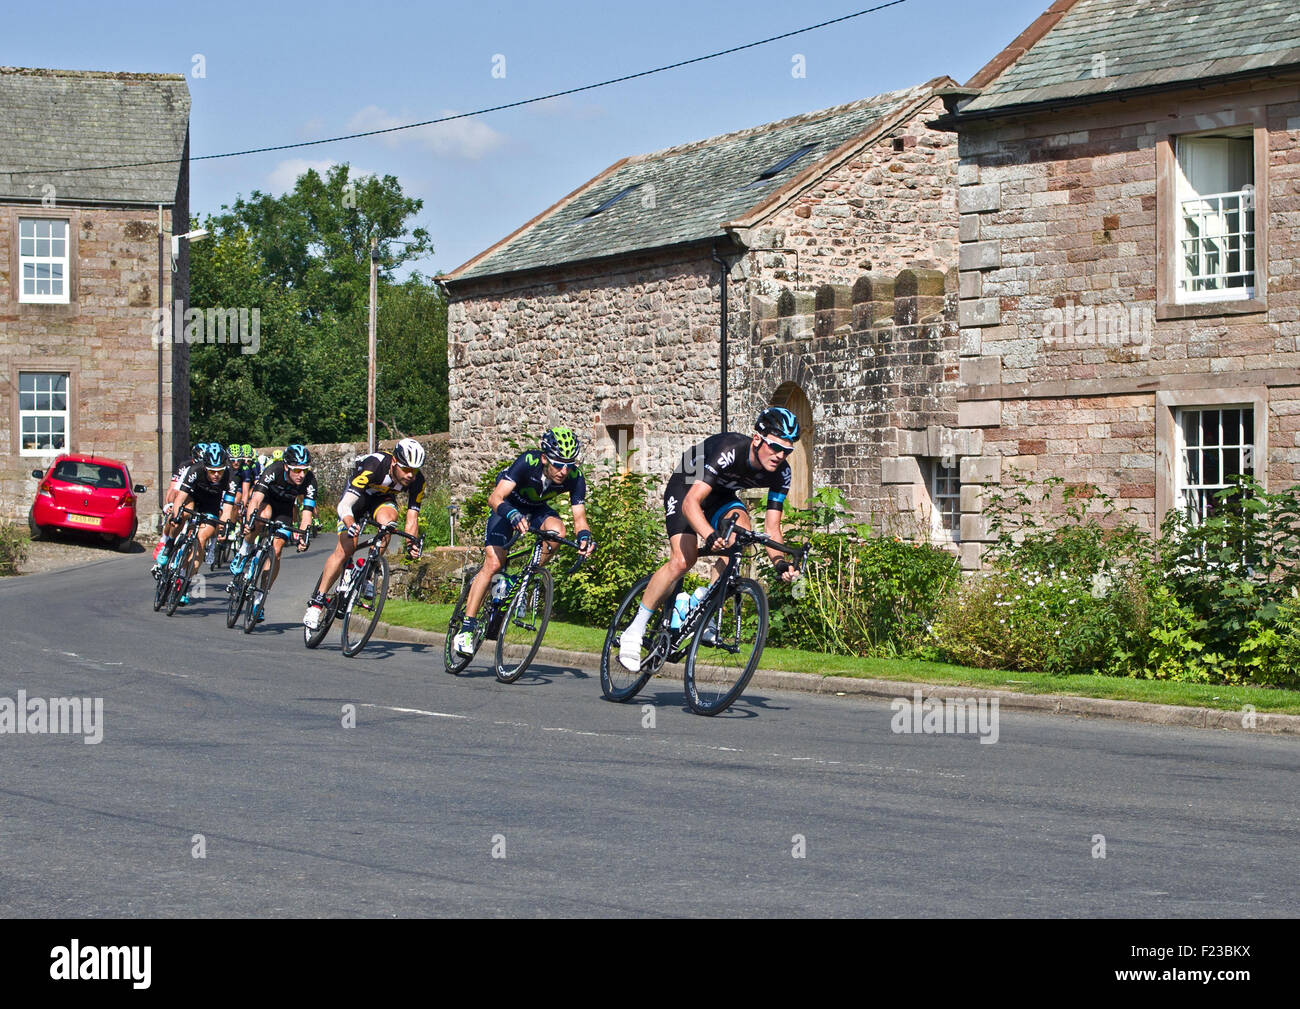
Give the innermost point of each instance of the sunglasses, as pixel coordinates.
(776, 447)
(213, 474)
(561, 465)
(296, 469)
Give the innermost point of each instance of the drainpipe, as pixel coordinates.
(162, 477)
(723, 378)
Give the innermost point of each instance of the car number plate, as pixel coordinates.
(89, 520)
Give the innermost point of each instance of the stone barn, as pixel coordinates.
(606, 311)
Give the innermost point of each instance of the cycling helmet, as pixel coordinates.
(778, 421)
(246, 452)
(214, 456)
(296, 455)
(233, 452)
(561, 445)
(277, 455)
(409, 453)
(196, 453)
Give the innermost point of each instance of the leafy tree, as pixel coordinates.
(303, 259)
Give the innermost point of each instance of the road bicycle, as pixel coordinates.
(359, 593)
(253, 583)
(174, 579)
(518, 608)
(721, 639)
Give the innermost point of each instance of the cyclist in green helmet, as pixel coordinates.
(519, 502)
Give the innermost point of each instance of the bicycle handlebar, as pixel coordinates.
(553, 537)
(744, 537)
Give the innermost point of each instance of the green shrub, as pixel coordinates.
(860, 594)
(630, 539)
(13, 547)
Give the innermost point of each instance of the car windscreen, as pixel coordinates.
(90, 474)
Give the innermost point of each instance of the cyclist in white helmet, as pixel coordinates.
(372, 492)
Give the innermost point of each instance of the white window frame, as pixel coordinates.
(36, 412)
(943, 484)
(1214, 212)
(1244, 446)
(35, 260)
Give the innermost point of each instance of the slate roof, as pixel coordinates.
(684, 194)
(1144, 43)
(60, 119)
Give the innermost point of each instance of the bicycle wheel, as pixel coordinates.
(238, 593)
(452, 661)
(525, 622)
(162, 588)
(617, 682)
(361, 615)
(717, 671)
(258, 581)
(180, 575)
(313, 638)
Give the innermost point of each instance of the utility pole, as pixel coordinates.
(374, 308)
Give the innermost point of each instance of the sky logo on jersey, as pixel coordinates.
(672, 506)
(727, 458)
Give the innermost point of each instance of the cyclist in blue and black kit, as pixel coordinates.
(518, 503)
(701, 495)
(272, 498)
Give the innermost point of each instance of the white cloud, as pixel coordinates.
(469, 139)
(282, 177)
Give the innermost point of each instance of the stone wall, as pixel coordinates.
(890, 206)
(103, 338)
(1074, 349)
(598, 349)
(878, 363)
(332, 463)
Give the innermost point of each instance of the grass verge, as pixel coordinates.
(574, 637)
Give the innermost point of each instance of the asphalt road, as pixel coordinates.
(463, 796)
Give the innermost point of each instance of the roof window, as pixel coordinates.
(612, 200)
(767, 174)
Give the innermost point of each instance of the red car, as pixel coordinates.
(89, 494)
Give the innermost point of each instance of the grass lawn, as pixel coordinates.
(573, 637)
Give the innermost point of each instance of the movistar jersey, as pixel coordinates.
(532, 490)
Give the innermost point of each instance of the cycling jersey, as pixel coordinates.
(533, 491)
(721, 462)
(208, 497)
(275, 484)
(373, 484)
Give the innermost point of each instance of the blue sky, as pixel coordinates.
(279, 73)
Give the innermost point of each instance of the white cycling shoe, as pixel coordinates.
(629, 650)
(463, 643)
(312, 617)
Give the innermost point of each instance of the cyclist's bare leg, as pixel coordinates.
(494, 560)
(556, 525)
(684, 552)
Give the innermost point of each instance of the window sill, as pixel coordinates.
(1210, 309)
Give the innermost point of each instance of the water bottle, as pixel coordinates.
(500, 587)
(682, 606)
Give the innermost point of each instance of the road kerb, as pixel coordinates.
(1061, 704)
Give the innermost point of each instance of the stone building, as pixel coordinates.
(605, 311)
(1130, 253)
(85, 265)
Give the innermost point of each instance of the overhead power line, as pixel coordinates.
(477, 112)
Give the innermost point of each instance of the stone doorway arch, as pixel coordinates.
(793, 398)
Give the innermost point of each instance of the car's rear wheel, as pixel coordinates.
(38, 532)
